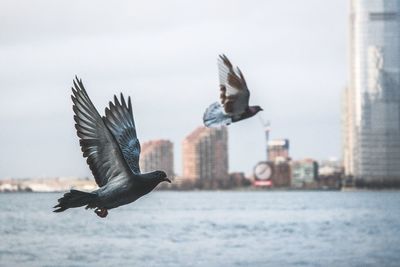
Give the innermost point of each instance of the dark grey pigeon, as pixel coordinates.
(234, 96)
(112, 150)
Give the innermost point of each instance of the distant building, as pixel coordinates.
(304, 172)
(281, 173)
(371, 102)
(178, 183)
(238, 179)
(157, 155)
(278, 149)
(205, 155)
(329, 167)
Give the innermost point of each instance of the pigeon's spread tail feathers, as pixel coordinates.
(74, 199)
(214, 116)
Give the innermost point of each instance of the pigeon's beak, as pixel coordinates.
(167, 180)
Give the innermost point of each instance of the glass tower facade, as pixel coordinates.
(371, 107)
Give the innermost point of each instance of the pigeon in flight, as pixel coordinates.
(112, 150)
(234, 96)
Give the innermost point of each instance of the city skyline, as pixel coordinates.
(164, 57)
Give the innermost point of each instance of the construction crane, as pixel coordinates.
(267, 128)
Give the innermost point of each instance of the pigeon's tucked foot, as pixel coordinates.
(101, 212)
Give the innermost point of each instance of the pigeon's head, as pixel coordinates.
(161, 176)
(255, 109)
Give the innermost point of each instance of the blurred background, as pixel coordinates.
(164, 55)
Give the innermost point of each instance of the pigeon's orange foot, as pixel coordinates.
(101, 212)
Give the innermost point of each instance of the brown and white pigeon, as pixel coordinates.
(234, 96)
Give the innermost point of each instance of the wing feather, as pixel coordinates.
(98, 145)
(119, 119)
(234, 92)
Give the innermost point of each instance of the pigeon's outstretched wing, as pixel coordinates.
(214, 116)
(98, 145)
(119, 120)
(234, 93)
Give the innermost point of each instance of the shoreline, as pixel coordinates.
(249, 190)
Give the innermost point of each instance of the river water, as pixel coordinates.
(206, 229)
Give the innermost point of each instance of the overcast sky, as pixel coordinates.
(163, 54)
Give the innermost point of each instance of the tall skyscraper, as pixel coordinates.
(205, 154)
(371, 103)
(157, 155)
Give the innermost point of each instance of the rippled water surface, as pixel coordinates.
(206, 229)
